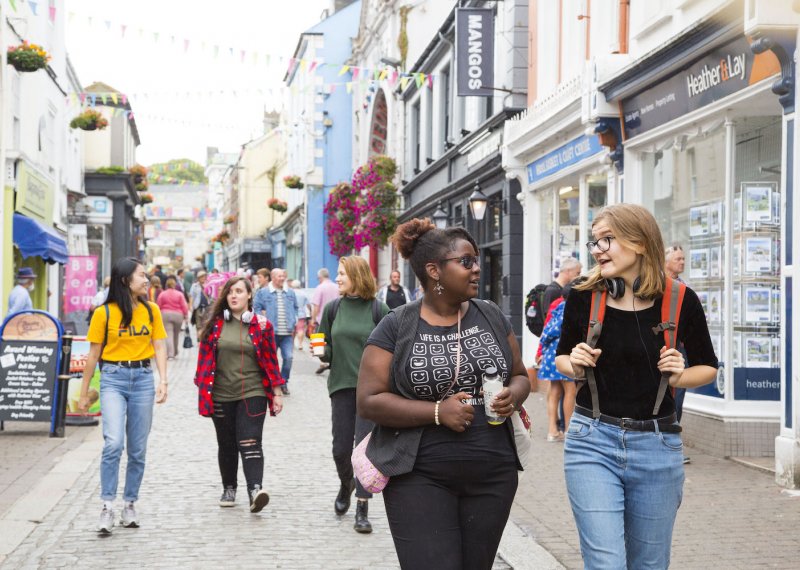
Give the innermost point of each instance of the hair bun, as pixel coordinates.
(406, 235)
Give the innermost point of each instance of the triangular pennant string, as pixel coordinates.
(34, 6)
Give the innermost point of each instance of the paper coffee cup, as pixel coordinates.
(318, 349)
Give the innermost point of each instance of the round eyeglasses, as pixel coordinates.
(602, 245)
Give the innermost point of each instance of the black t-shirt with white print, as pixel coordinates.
(430, 370)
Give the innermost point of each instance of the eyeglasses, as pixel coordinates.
(602, 245)
(467, 261)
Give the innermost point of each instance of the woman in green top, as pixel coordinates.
(345, 338)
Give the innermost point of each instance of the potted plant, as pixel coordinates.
(27, 57)
(293, 181)
(89, 120)
(146, 198)
(229, 219)
(139, 174)
(277, 205)
(223, 236)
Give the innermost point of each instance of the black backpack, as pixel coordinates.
(376, 311)
(534, 311)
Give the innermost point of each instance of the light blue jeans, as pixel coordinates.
(127, 396)
(625, 488)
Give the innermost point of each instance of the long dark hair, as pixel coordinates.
(221, 303)
(119, 290)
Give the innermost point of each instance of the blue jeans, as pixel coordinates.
(126, 402)
(625, 488)
(285, 344)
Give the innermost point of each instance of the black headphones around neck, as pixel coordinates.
(616, 286)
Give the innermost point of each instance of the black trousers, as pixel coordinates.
(239, 427)
(450, 515)
(348, 430)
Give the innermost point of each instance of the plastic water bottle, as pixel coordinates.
(492, 385)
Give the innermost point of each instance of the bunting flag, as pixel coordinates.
(34, 6)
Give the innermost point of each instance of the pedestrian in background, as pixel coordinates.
(394, 294)
(345, 338)
(560, 387)
(262, 278)
(238, 380)
(625, 476)
(155, 289)
(279, 304)
(323, 294)
(302, 315)
(674, 264)
(188, 281)
(20, 297)
(175, 312)
(453, 475)
(199, 301)
(126, 332)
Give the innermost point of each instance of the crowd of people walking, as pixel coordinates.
(414, 413)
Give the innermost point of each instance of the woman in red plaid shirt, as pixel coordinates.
(238, 380)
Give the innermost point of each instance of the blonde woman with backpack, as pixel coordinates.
(623, 455)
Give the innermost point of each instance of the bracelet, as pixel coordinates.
(436, 413)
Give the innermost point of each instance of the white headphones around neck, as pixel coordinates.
(246, 317)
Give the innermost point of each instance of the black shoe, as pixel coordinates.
(342, 503)
(322, 368)
(258, 499)
(362, 522)
(285, 390)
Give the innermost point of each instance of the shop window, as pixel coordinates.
(684, 187)
(597, 189)
(446, 106)
(569, 239)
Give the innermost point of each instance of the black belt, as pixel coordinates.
(666, 424)
(129, 363)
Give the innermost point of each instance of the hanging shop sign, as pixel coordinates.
(475, 52)
(721, 72)
(564, 156)
(34, 194)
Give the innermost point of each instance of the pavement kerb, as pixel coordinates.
(32, 508)
(522, 552)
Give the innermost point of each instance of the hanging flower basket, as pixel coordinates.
(146, 198)
(221, 237)
(229, 219)
(293, 181)
(277, 205)
(139, 174)
(27, 57)
(89, 120)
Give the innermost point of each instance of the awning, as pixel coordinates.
(36, 239)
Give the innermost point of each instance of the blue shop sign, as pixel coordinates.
(564, 156)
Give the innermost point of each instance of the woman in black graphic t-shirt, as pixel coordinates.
(624, 468)
(453, 475)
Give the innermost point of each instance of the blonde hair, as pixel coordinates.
(634, 227)
(361, 279)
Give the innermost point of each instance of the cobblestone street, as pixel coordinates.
(182, 525)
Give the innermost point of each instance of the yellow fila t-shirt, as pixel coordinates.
(132, 343)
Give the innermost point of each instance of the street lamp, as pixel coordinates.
(477, 203)
(440, 217)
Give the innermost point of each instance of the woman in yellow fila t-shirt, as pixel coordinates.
(125, 333)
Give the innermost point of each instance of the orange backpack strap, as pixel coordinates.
(671, 305)
(596, 315)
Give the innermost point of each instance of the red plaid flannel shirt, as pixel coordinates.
(263, 338)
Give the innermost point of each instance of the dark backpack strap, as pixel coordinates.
(376, 312)
(332, 310)
(671, 304)
(596, 315)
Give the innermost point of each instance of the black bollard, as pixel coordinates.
(63, 385)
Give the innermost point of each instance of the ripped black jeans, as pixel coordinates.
(239, 427)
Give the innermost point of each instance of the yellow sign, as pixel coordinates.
(34, 194)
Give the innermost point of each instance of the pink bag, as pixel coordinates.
(367, 474)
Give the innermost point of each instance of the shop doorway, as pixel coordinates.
(492, 275)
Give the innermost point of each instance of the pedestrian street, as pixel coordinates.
(181, 522)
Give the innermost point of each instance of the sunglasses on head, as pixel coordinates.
(467, 261)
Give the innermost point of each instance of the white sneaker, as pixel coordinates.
(129, 518)
(106, 521)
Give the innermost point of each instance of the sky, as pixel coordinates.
(182, 66)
